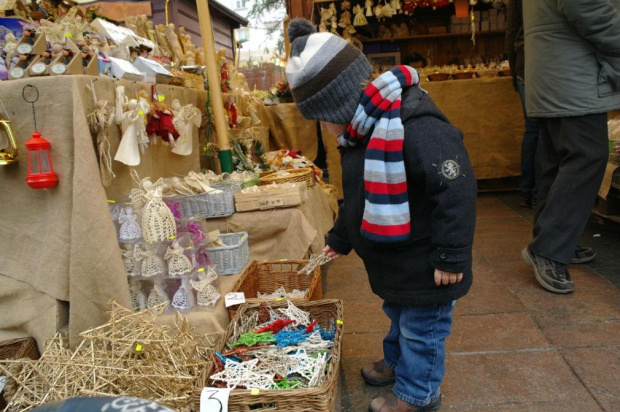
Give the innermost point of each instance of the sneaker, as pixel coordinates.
(551, 275)
(378, 374)
(583, 255)
(525, 202)
(390, 403)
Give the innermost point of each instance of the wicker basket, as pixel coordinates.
(438, 77)
(209, 205)
(318, 399)
(233, 257)
(17, 349)
(268, 275)
(303, 174)
(462, 75)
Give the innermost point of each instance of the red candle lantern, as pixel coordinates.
(41, 173)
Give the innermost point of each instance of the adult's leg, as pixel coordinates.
(530, 159)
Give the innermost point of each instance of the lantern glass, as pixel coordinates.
(33, 162)
(39, 161)
(4, 140)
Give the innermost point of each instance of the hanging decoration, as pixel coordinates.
(8, 144)
(41, 173)
(100, 121)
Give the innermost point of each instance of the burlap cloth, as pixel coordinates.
(488, 112)
(60, 245)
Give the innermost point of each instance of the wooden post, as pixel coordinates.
(215, 91)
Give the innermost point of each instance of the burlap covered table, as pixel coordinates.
(488, 112)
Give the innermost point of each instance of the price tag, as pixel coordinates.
(161, 97)
(111, 201)
(234, 298)
(339, 321)
(255, 391)
(141, 112)
(214, 399)
(201, 270)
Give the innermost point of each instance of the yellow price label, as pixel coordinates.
(255, 391)
(339, 321)
(138, 348)
(161, 97)
(201, 270)
(68, 35)
(283, 260)
(141, 112)
(111, 201)
(279, 299)
(172, 237)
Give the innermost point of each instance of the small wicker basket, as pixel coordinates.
(17, 349)
(233, 257)
(209, 205)
(317, 399)
(303, 174)
(268, 275)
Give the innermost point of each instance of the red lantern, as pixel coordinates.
(41, 174)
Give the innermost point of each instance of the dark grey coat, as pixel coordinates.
(572, 57)
(442, 207)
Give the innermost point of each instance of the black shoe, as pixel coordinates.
(525, 202)
(583, 255)
(551, 275)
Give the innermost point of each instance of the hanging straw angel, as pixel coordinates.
(178, 263)
(129, 151)
(157, 220)
(183, 298)
(144, 108)
(359, 19)
(100, 121)
(158, 295)
(186, 118)
(152, 265)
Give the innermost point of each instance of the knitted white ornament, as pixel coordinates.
(132, 268)
(158, 295)
(152, 265)
(138, 299)
(130, 231)
(157, 219)
(178, 263)
(207, 293)
(183, 299)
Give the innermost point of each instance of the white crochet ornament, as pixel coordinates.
(130, 230)
(138, 299)
(207, 294)
(157, 219)
(158, 295)
(132, 268)
(178, 263)
(152, 265)
(183, 298)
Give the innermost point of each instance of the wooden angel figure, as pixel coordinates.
(186, 119)
(178, 263)
(130, 230)
(359, 19)
(183, 298)
(345, 5)
(152, 264)
(141, 29)
(368, 5)
(175, 44)
(100, 121)
(322, 27)
(334, 25)
(138, 299)
(157, 219)
(158, 295)
(348, 32)
(326, 15)
(150, 34)
(129, 150)
(132, 268)
(161, 40)
(383, 11)
(200, 56)
(345, 19)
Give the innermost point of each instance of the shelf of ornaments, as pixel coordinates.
(431, 36)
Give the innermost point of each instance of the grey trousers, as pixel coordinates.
(574, 153)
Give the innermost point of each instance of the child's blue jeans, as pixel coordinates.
(415, 348)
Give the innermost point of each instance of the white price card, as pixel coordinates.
(234, 298)
(214, 399)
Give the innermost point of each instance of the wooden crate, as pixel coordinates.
(285, 195)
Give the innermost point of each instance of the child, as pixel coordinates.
(409, 204)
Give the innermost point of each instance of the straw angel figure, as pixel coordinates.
(129, 151)
(100, 121)
(359, 19)
(185, 119)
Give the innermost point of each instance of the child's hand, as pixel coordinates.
(444, 278)
(331, 252)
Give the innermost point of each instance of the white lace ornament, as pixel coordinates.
(132, 268)
(178, 263)
(138, 299)
(157, 219)
(158, 295)
(183, 299)
(299, 316)
(152, 265)
(282, 293)
(207, 294)
(130, 230)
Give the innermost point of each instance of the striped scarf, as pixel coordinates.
(386, 214)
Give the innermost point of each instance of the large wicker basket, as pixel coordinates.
(317, 399)
(301, 175)
(17, 349)
(233, 257)
(268, 275)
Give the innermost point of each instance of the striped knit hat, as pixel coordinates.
(325, 73)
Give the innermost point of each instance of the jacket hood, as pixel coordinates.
(416, 103)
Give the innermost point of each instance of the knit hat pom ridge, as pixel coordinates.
(298, 28)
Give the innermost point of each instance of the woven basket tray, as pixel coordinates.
(317, 399)
(17, 349)
(268, 275)
(209, 205)
(233, 257)
(303, 174)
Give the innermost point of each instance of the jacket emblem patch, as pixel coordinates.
(450, 169)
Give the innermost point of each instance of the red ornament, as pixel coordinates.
(41, 174)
